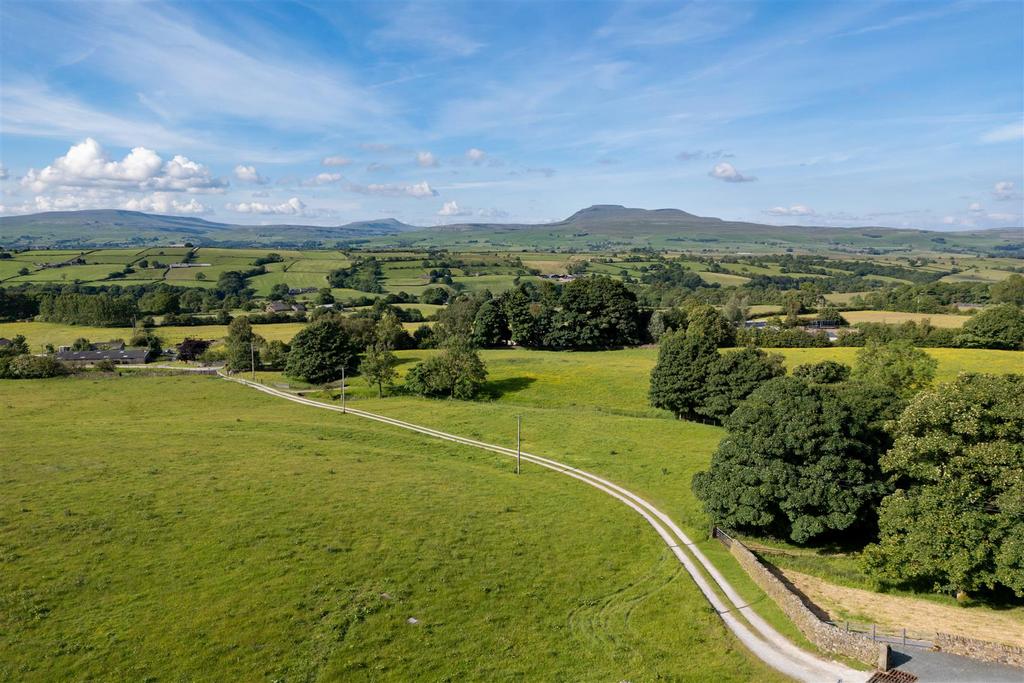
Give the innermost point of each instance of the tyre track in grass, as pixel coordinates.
(755, 633)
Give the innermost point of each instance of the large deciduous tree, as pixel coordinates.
(679, 376)
(956, 520)
(456, 372)
(792, 465)
(733, 376)
(996, 327)
(595, 313)
(490, 327)
(242, 346)
(320, 351)
(379, 361)
(691, 379)
(897, 364)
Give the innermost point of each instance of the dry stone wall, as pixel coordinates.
(980, 649)
(824, 635)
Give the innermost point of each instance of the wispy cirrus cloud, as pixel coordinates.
(426, 28)
(701, 155)
(420, 190)
(1007, 133)
(335, 160)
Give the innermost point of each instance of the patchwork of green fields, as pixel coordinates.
(200, 530)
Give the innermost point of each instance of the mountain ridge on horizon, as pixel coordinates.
(602, 223)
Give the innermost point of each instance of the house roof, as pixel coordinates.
(133, 355)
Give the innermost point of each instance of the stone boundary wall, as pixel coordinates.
(980, 649)
(824, 635)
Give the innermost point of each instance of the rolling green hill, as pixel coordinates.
(597, 227)
(122, 228)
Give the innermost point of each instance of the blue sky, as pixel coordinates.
(850, 113)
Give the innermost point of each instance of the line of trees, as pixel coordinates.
(99, 310)
(586, 314)
(931, 480)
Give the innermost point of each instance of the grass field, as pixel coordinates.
(197, 530)
(590, 410)
(616, 380)
(894, 318)
(40, 334)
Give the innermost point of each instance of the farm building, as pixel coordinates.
(117, 356)
(284, 307)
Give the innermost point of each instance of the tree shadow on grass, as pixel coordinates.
(497, 388)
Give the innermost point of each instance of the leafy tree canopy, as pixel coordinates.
(825, 372)
(321, 351)
(733, 376)
(897, 364)
(456, 372)
(792, 465)
(997, 327)
(956, 520)
(594, 313)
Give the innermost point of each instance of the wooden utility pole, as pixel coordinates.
(519, 452)
(343, 390)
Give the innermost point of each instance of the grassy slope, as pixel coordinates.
(198, 530)
(590, 409)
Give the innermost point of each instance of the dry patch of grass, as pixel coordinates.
(921, 618)
(897, 317)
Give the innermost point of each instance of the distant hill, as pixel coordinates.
(120, 228)
(599, 227)
(611, 226)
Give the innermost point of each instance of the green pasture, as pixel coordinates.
(317, 265)
(39, 334)
(984, 275)
(67, 273)
(262, 284)
(723, 279)
(265, 540)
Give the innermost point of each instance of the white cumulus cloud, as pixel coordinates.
(161, 202)
(795, 210)
(336, 160)
(426, 159)
(727, 172)
(1005, 190)
(87, 165)
(452, 208)
(325, 179)
(292, 207)
(249, 174)
(476, 155)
